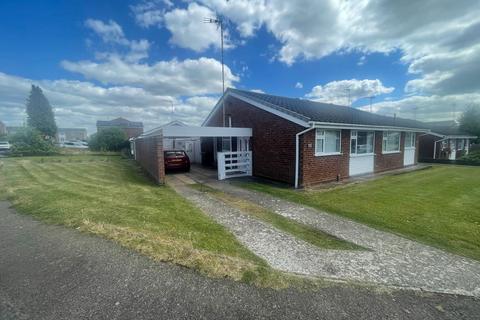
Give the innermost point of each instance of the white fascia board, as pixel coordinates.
(461, 137)
(331, 125)
(258, 105)
(206, 132)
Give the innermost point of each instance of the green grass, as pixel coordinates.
(299, 230)
(109, 196)
(438, 206)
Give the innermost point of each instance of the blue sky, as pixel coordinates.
(102, 59)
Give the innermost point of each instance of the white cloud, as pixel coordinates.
(258, 90)
(427, 108)
(149, 13)
(112, 32)
(345, 91)
(188, 29)
(298, 85)
(80, 104)
(187, 78)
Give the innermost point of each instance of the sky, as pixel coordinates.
(157, 61)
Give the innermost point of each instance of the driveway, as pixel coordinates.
(51, 272)
(391, 260)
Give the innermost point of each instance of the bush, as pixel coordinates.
(29, 142)
(473, 157)
(111, 139)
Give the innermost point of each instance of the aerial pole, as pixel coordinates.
(219, 22)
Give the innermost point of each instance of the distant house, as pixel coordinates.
(13, 130)
(132, 129)
(71, 134)
(445, 141)
(3, 129)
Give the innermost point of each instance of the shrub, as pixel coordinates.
(30, 142)
(110, 139)
(473, 157)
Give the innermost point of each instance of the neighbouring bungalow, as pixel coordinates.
(445, 141)
(303, 142)
(71, 134)
(131, 128)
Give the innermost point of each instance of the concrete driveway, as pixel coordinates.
(51, 272)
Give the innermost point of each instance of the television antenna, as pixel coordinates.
(371, 99)
(218, 21)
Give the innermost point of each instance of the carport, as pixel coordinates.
(227, 148)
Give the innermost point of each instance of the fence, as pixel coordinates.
(234, 164)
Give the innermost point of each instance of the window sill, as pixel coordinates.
(390, 152)
(354, 155)
(409, 148)
(328, 154)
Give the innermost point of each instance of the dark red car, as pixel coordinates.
(176, 160)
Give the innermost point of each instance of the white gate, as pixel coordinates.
(234, 164)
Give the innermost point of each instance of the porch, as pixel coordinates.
(227, 150)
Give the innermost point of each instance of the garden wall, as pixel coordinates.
(149, 154)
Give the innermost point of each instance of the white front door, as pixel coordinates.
(409, 149)
(362, 158)
(453, 150)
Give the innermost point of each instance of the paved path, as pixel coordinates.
(50, 272)
(392, 260)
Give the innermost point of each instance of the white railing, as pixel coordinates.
(234, 164)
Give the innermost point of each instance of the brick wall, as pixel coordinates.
(133, 132)
(317, 169)
(272, 142)
(149, 154)
(387, 161)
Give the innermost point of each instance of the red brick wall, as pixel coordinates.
(387, 161)
(149, 154)
(273, 140)
(319, 169)
(133, 132)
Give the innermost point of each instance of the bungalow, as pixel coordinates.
(296, 141)
(444, 141)
(303, 142)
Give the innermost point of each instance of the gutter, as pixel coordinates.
(333, 125)
(297, 155)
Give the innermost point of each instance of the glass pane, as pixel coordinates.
(393, 141)
(332, 141)
(226, 144)
(353, 146)
(364, 142)
(370, 137)
(319, 145)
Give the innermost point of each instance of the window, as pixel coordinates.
(226, 144)
(460, 144)
(391, 141)
(327, 142)
(361, 142)
(409, 140)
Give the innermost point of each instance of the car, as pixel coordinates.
(4, 146)
(176, 160)
(74, 144)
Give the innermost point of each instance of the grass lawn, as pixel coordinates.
(299, 230)
(438, 206)
(109, 196)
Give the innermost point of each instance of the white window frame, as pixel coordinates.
(412, 139)
(354, 136)
(385, 135)
(320, 135)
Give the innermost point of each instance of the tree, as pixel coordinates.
(40, 114)
(110, 139)
(29, 142)
(470, 121)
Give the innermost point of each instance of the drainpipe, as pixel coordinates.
(435, 147)
(297, 155)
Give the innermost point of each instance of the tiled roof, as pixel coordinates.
(120, 122)
(308, 110)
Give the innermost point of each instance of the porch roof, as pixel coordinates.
(186, 131)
